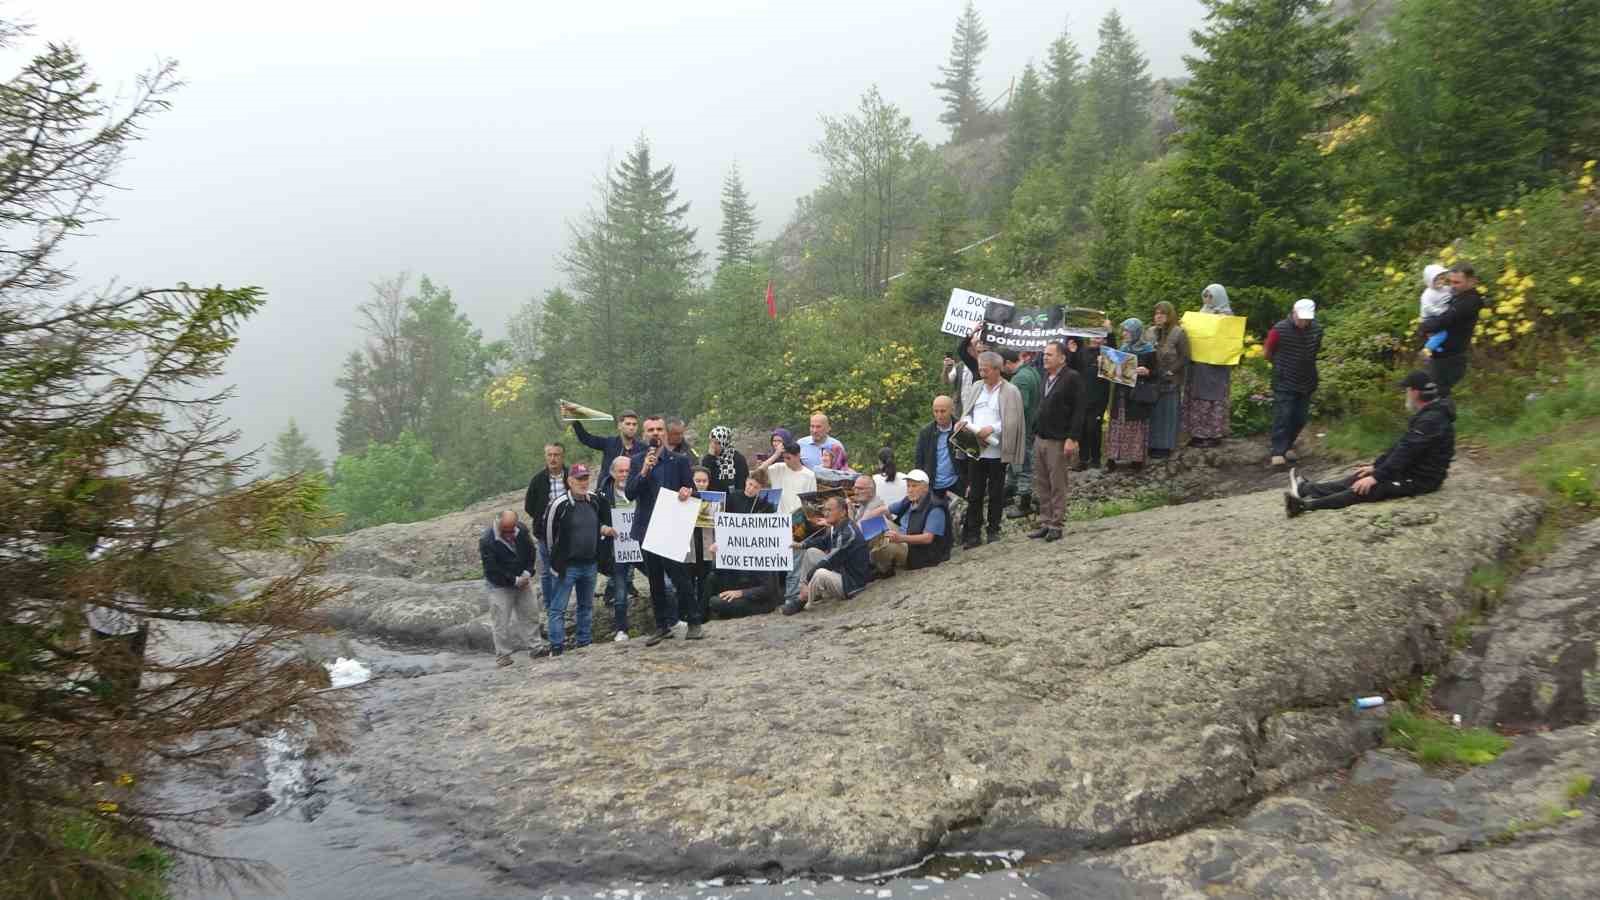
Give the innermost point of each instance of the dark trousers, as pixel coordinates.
(1094, 426)
(659, 570)
(1290, 412)
(986, 480)
(1338, 495)
(1446, 371)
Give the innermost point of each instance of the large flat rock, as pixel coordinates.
(1138, 678)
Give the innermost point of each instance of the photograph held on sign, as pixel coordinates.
(1119, 367)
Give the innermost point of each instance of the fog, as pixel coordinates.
(318, 147)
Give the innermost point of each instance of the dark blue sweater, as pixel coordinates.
(672, 471)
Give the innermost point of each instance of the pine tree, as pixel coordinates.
(963, 98)
(736, 241)
(1063, 86)
(292, 454)
(1121, 90)
(1027, 129)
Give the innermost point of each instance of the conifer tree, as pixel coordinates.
(736, 241)
(1121, 90)
(1063, 86)
(1027, 128)
(293, 454)
(963, 98)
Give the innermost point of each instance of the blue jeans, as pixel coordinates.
(1290, 412)
(617, 587)
(547, 577)
(582, 577)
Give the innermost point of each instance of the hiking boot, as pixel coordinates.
(1292, 505)
(1053, 536)
(503, 660)
(1038, 533)
(1279, 462)
(790, 609)
(695, 633)
(664, 634)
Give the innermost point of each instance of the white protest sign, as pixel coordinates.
(627, 548)
(671, 525)
(965, 312)
(754, 542)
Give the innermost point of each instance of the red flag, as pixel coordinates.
(772, 304)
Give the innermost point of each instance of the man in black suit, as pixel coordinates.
(1059, 424)
(652, 470)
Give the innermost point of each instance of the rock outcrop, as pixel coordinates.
(1139, 678)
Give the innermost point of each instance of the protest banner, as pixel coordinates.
(671, 525)
(627, 549)
(965, 311)
(577, 412)
(1214, 340)
(1030, 329)
(1119, 367)
(754, 542)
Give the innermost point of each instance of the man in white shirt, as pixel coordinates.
(793, 478)
(994, 414)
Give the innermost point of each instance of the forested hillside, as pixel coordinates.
(1306, 153)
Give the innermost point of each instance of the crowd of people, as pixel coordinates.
(1015, 424)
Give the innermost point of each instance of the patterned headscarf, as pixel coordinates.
(726, 471)
(1139, 344)
(1219, 300)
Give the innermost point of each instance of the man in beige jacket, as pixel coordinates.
(994, 415)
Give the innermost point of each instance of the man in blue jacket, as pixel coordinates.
(833, 564)
(624, 443)
(507, 554)
(652, 470)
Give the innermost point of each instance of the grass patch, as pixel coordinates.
(1434, 742)
(1579, 788)
(1488, 581)
(1570, 470)
(1366, 434)
(136, 867)
(1121, 506)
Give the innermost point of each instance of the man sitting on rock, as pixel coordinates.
(831, 564)
(922, 539)
(1416, 464)
(507, 554)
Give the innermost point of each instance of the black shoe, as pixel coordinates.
(971, 543)
(664, 634)
(1160, 454)
(1111, 465)
(1038, 533)
(1053, 536)
(993, 537)
(1080, 467)
(694, 633)
(1292, 505)
(790, 609)
(555, 652)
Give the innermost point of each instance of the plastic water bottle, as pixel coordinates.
(1368, 702)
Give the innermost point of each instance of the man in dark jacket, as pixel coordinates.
(833, 564)
(1084, 358)
(546, 485)
(933, 451)
(652, 470)
(1059, 424)
(624, 443)
(922, 538)
(1449, 363)
(1292, 347)
(1416, 464)
(579, 524)
(506, 551)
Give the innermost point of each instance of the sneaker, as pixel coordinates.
(1292, 505)
(503, 660)
(1053, 536)
(663, 635)
(1291, 456)
(695, 633)
(621, 636)
(1279, 462)
(1294, 484)
(1038, 533)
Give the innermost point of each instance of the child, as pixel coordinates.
(1435, 300)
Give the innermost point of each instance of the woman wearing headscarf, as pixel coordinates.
(1172, 362)
(1206, 400)
(727, 466)
(780, 437)
(1128, 439)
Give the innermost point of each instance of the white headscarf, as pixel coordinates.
(1219, 300)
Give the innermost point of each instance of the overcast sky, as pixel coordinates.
(317, 147)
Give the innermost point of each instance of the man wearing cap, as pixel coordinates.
(922, 539)
(578, 522)
(1292, 347)
(1416, 464)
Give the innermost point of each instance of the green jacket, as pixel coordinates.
(1027, 381)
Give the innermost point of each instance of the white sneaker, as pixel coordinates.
(1279, 462)
(621, 636)
(1294, 485)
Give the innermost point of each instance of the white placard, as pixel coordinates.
(627, 549)
(671, 525)
(965, 312)
(754, 542)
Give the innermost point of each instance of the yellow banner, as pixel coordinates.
(1216, 340)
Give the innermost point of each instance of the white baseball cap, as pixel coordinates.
(1305, 309)
(917, 475)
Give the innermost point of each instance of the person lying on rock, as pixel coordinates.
(1416, 464)
(506, 550)
(831, 564)
(921, 538)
